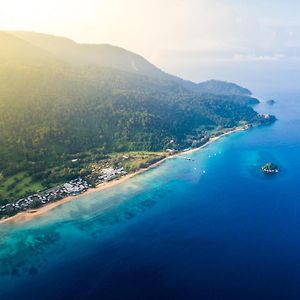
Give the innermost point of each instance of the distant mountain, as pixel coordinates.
(115, 57)
(103, 55)
(14, 50)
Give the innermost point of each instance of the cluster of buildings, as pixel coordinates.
(71, 188)
(109, 174)
(171, 151)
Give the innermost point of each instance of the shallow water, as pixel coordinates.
(174, 232)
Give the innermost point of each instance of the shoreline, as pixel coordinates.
(25, 216)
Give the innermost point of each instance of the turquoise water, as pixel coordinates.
(174, 232)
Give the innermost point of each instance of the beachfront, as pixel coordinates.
(107, 182)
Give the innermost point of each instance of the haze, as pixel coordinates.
(255, 44)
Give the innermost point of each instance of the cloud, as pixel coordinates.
(255, 57)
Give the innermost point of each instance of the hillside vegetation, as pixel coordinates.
(52, 109)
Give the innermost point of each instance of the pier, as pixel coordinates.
(186, 158)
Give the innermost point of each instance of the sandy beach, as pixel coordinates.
(30, 214)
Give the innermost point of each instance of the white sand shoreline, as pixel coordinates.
(31, 214)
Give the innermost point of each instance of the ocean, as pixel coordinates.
(212, 228)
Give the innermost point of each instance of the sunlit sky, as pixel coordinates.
(244, 41)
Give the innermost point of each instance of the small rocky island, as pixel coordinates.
(270, 168)
(271, 102)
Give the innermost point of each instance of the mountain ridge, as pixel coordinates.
(106, 55)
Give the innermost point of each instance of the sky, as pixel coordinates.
(254, 43)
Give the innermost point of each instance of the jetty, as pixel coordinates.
(186, 158)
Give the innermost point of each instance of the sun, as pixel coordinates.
(47, 16)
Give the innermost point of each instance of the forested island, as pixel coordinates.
(68, 111)
(270, 168)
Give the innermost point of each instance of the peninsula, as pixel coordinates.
(75, 116)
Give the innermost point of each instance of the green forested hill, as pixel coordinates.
(51, 109)
(45, 113)
(222, 88)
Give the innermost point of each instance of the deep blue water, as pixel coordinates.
(174, 232)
